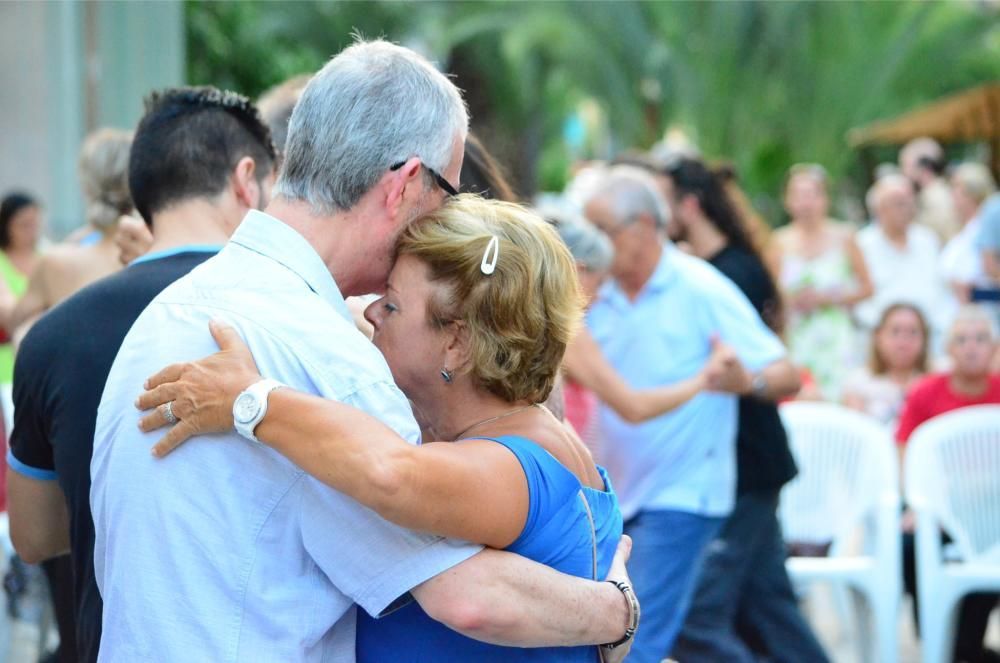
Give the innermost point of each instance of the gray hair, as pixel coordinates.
(976, 179)
(878, 190)
(974, 313)
(589, 246)
(632, 191)
(103, 170)
(373, 105)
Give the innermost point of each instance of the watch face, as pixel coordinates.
(245, 408)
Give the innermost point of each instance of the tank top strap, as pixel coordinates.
(550, 484)
(15, 280)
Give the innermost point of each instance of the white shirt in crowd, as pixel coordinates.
(909, 274)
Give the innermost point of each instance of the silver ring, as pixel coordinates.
(168, 413)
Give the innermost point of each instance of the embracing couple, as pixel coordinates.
(306, 494)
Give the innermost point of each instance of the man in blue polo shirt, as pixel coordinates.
(657, 322)
(200, 160)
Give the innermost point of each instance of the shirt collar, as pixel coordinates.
(177, 250)
(659, 280)
(274, 239)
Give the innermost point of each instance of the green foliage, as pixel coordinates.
(764, 84)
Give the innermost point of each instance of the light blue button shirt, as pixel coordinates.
(225, 550)
(684, 460)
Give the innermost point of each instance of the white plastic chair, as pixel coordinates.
(848, 477)
(953, 484)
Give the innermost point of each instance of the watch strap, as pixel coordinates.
(260, 390)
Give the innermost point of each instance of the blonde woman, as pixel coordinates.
(898, 357)
(479, 309)
(67, 268)
(822, 276)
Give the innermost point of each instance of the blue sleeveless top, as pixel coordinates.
(556, 533)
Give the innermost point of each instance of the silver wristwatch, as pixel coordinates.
(250, 407)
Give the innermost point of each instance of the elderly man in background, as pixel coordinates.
(657, 322)
(228, 551)
(902, 256)
(972, 342)
(922, 162)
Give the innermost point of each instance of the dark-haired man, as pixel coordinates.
(200, 160)
(744, 607)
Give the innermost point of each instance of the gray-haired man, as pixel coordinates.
(228, 552)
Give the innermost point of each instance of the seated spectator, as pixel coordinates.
(971, 343)
(66, 268)
(961, 263)
(897, 359)
(900, 255)
(822, 275)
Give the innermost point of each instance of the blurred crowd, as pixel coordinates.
(700, 321)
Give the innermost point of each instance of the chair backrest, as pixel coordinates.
(953, 473)
(847, 466)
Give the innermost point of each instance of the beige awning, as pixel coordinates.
(965, 117)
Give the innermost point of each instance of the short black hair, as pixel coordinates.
(12, 203)
(188, 143)
(936, 166)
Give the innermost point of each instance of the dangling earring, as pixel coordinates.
(446, 374)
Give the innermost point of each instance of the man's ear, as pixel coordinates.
(398, 181)
(246, 188)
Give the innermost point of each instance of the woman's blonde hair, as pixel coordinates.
(104, 176)
(520, 317)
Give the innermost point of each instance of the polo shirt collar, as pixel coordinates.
(659, 280)
(274, 239)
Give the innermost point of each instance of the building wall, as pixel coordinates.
(69, 68)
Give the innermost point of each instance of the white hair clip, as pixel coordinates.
(491, 256)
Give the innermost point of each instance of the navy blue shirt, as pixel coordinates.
(59, 377)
